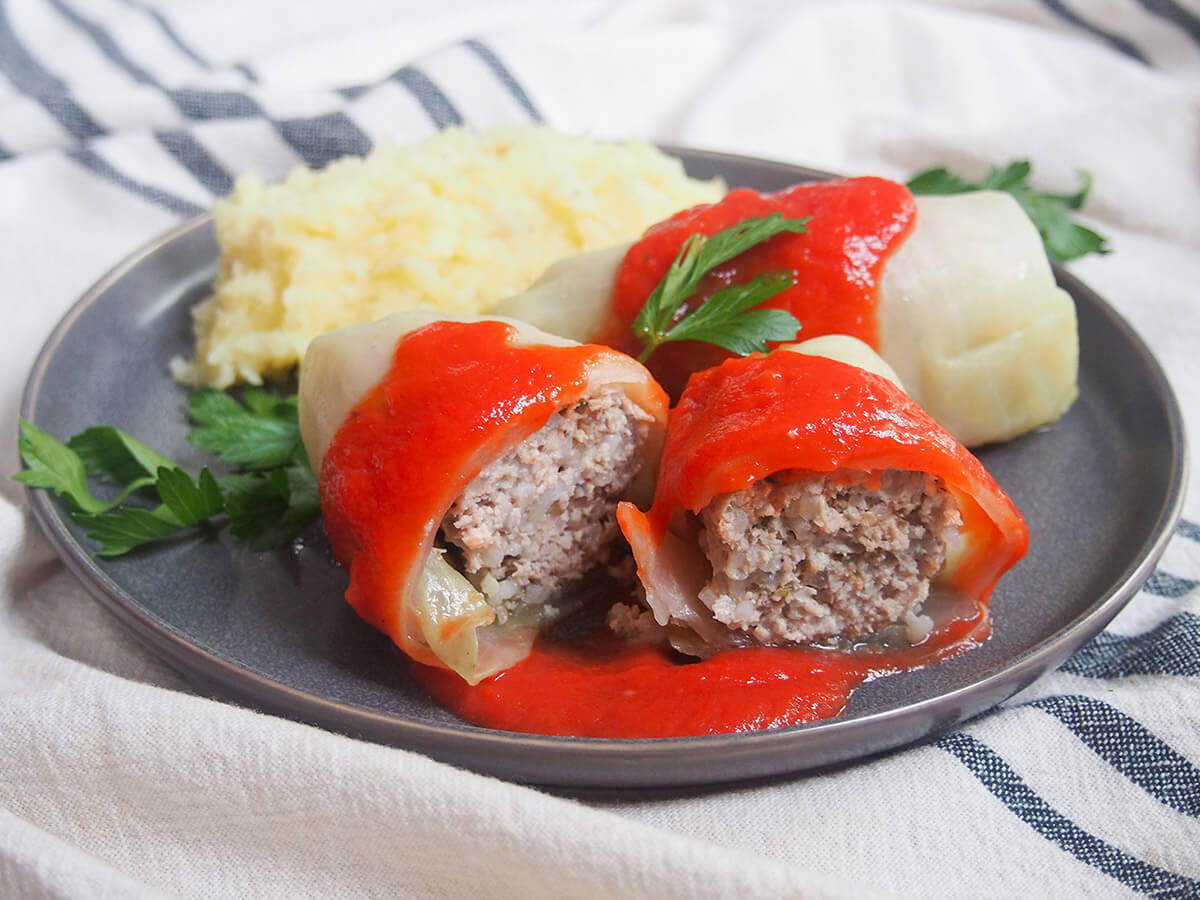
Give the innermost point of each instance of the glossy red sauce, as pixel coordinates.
(756, 416)
(785, 413)
(602, 687)
(452, 399)
(853, 225)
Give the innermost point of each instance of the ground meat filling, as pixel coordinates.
(544, 513)
(804, 557)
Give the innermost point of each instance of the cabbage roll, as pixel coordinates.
(804, 499)
(967, 311)
(469, 471)
(971, 319)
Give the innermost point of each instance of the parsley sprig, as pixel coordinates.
(1065, 239)
(727, 318)
(268, 499)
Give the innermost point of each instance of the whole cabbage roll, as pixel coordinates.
(806, 499)
(967, 311)
(971, 319)
(469, 471)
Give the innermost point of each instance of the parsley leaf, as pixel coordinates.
(940, 181)
(303, 507)
(263, 434)
(253, 501)
(1011, 176)
(185, 502)
(116, 457)
(655, 323)
(56, 467)
(730, 321)
(1064, 239)
(270, 509)
(128, 527)
(268, 504)
(190, 500)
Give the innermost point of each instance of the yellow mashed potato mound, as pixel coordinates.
(454, 223)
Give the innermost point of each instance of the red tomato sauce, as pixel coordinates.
(408, 449)
(853, 225)
(755, 416)
(789, 413)
(600, 686)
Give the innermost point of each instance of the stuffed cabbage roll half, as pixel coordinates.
(469, 471)
(806, 499)
(955, 292)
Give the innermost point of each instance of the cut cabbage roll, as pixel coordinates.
(469, 472)
(967, 312)
(805, 499)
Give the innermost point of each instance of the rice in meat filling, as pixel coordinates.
(544, 513)
(809, 556)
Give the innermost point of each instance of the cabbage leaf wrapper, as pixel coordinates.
(398, 417)
(827, 406)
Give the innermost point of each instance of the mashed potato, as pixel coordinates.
(454, 223)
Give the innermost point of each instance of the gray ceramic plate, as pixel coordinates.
(1101, 490)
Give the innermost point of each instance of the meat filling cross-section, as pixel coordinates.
(544, 513)
(806, 556)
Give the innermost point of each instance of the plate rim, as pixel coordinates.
(463, 744)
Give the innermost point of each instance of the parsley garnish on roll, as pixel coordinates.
(727, 318)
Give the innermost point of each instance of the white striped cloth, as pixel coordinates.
(120, 117)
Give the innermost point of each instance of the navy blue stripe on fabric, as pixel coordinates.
(183, 147)
(97, 164)
(430, 96)
(28, 77)
(493, 62)
(1130, 748)
(34, 81)
(1163, 584)
(191, 153)
(171, 34)
(1176, 15)
(1010, 789)
(193, 103)
(247, 71)
(5, 153)
(207, 105)
(107, 45)
(1115, 41)
(323, 139)
(1170, 648)
(315, 146)
(1189, 530)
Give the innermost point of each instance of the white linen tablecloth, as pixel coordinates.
(120, 117)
